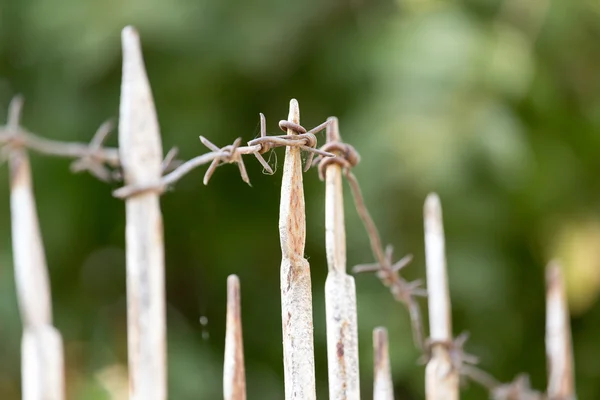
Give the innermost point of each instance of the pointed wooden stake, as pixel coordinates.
(340, 290)
(42, 364)
(234, 375)
(559, 350)
(296, 296)
(140, 150)
(441, 378)
(383, 388)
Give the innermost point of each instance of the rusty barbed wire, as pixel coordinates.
(406, 292)
(104, 163)
(90, 157)
(232, 154)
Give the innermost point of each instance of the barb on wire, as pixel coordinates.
(458, 357)
(227, 154)
(387, 271)
(92, 162)
(383, 386)
(170, 162)
(461, 361)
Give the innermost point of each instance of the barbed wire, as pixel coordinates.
(232, 154)
(104, 163)
(90, 157)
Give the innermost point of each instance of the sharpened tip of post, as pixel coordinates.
(379, 336)
(380, 332)
(294, 114)
(233, 297)
(433, 212)
(333, 130)
(383, 388)
(132, 49)
(233, 282)
(129, 33)
(433, 204)
(380, 344)
(553, 274)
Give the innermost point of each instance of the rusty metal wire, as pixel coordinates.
(104, 164)
(92, 157)
(232, 154)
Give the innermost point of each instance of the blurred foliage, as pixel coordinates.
(493, 104)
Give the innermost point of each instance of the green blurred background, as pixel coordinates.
(493, 104)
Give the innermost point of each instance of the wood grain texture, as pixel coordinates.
(296, 296)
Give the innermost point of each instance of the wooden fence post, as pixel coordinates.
(140, 152)
(559, 348)
(441, 377)
(42, 364)
(296, 295)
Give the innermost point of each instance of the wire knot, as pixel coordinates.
(284, 125)
(455, 349)
(346, 157)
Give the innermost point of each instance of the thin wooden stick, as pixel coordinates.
(41, 347)
(296, 296)
(383, 388)
(234, 375)
(559, 351)
(441, 377)
(141, 156)
(340, 290)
